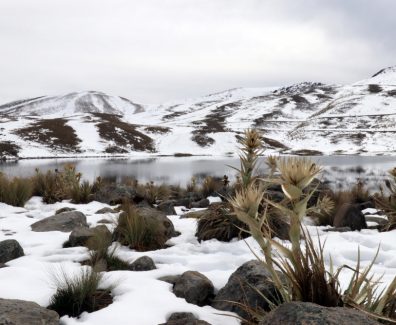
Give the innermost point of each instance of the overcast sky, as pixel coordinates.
(159, 50)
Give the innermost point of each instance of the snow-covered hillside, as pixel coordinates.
(306, 118)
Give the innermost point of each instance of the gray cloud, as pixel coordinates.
(151, 50)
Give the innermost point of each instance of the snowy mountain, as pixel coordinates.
(306, 118)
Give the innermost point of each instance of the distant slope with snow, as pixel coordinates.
(306, 118)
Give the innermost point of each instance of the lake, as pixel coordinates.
(341, 171)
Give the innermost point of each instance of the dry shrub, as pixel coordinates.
(137, 232)
(220, 223)
(16, 191)
(387, 201)
(307, 278)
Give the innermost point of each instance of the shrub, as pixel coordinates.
(305, 275)
(15, 191)
(387, 202)
(80, 193)
(219, 222)
(103, 258)
(138, 232)
(79, 293)
(154, 193)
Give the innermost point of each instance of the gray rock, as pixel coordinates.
(184, 319)
(172, 279)
(82, 236)
(105, 210)
(204, 203)
(239, 289)
(165, 225)
(65, 221)
(167, 207)
(194, 287)
(10, 250)
(294, 313)
(19, 312)
(144, 263)
(65, 209)
(350, 215)
(338, 229)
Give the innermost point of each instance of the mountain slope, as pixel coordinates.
(306, 118)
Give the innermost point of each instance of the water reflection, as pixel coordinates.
(340, 170)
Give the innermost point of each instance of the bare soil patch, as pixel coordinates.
(125, 136)
(54, 133)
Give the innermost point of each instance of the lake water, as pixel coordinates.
(340, 170)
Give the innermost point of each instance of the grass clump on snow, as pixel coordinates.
(138, 232)
(303, 274)
(387, 202)
(104, 258)
(15, 191)
(79, 293)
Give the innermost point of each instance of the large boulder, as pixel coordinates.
(164, 224)
(306, 313)
(184, 319)
(19, 312)
(65, 222)
(10, 250)
(350, 215)
(83, 236)
(195, 287)
(247, 286)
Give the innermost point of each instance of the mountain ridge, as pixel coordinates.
(304, 118)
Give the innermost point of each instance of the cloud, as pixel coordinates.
(151, 51)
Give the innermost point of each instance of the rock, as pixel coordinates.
(204, 203)
(65, 209)
(143, 263)
(106, 221)
(184, 319)
(105, 210)
(239, 289)
(19, 312)
(10, 250)
(194, 287)
(367, 205)
(338, 229)
(167, 207)
(65, 221)
(113, 194)
(279, 226)
(82, 236)
(164, 223)
(172, 279)
(194, 214)
(306, 313)
(350, 215)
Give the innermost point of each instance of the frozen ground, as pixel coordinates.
(139, 297)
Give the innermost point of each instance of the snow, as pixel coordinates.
(332, 119)
(139, 297)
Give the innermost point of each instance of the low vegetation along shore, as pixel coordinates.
(280, 248)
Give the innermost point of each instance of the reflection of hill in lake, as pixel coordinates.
(339, 170)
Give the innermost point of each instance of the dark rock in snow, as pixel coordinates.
(350, 215)
(184, 319)
(243, 287)
(10, 249)
(194, 287)
(144, 263)
(306, 313)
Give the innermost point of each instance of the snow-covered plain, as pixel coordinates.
(139, 297)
